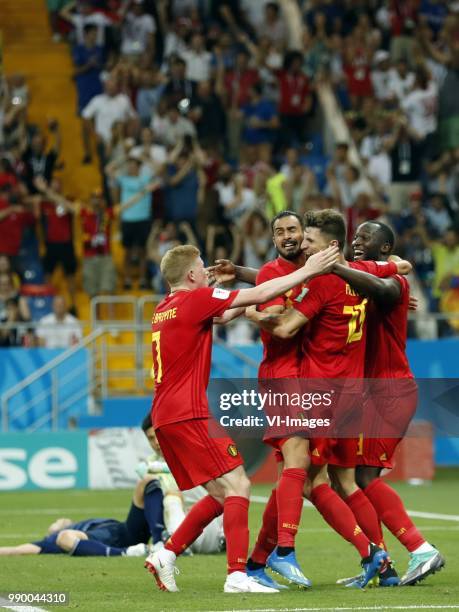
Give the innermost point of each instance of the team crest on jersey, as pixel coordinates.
(316, 453)
(303, 293)
(383, 457)
(232, 450)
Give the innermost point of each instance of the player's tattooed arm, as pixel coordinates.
(225, 271)
(282, 325)
(229, 315)
(385, 291)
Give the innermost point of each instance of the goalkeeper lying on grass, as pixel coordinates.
(157, 509)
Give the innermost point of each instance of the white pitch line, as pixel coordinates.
(434, 515)
(5, 604)
(429, 515)
(340, 609)
(62, 511)
(23, 608)
(259, 499)
(27, 537)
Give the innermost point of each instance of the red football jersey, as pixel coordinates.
(386, 344)
(281, 358)
(58, 223)
(334, 346)
(12, 228)
(96, 231)
(182, 347)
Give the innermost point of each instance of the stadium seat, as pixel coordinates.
(32, 272)
(318, 164)
(315, 144)
(40, 299)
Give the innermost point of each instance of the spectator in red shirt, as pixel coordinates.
(99, 274)
(233, 87)
(403, 20)
(56, 214)
(357, 68)
(239, 80)
(295, 101)
(14, 218)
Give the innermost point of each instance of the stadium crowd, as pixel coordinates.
(205, 123)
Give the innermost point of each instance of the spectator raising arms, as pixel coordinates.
(56, 214)
(105, 110)
(88, 59)
(133, 190)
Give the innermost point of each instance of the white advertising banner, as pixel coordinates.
(113, 456)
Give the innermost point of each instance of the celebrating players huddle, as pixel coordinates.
(321, 317)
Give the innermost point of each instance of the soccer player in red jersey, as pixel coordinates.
(386, 359)
(281, 359)
(334, 348)
(182, 342)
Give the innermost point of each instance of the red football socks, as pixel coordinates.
(340, 517)
(289, 505)
(236, 528)
(366, 516)
(200, 515)
(267, 538)
(392, 513)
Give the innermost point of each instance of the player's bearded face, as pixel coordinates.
(287, 238)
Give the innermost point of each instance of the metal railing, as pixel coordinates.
(51, 391)
(118, 362)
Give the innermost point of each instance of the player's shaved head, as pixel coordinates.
(177, 262)
(385, 233)
(373, 240)
(329, 222)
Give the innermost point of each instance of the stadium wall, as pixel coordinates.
(104, 452)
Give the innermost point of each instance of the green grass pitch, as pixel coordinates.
(123, 584)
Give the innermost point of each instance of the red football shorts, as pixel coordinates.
(377, 452)
(334, 451)
(277, 444)
(193, 456)
(389, 416)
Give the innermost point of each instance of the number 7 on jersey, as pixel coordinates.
(157, 370)
(358, 314)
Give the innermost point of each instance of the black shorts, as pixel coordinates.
(135, 233)
(60, 253)
(136, 527)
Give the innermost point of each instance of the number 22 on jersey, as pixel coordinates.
(157, 369)
(355, 326)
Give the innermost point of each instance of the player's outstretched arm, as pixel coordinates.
(21, 549)
(383, 290)
(320, 263)
(283, 325)
(403, 266)
(229, 315)
(224, 271)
